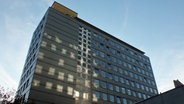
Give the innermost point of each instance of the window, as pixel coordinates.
(134, 94)
(36, 82)
(153, 83)
(140, 77)
(132, 84)
(128, 92)
(96, 83)
(48, 85)
(51, 71)
(108, 57)
(120, 70)
(139, 95)
(131, 75)
(110, 87)
(137, 85)
(118, 100)
(109, 75)
(111, 98)
(59, 88)
(109, 66)
(95, 61)
(129, 66)
(123, 90)
(116, 78)
(124, 101)
(53, 47)
(147, 88)
(117, 88)
(38, 69)
(58, 40)
(61, 62)
(115, 68)
(85, 95)
(69, 90)
(144, 96)
(103, 84)
(70, 78)
(114, 59)
(142, 87)
(119, 61)
(124, 64)
(104, 96)
(61, 75)
(151, 90)
(130, 102)
(126, 73)
(122, 80)
(44, 44)
(102, 54)
(103, 73)
(96, 96)
(95, 72)
(136, 77)
(155, 91)
(127, 82)
(113, 51)
(76, 94)
(102, 63)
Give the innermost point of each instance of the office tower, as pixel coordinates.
(73, 62)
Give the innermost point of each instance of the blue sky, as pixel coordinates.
(154, 26)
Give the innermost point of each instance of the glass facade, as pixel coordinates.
(77, 62)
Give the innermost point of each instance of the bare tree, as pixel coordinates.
(7, 95)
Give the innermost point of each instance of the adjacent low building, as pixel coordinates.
(174, 96)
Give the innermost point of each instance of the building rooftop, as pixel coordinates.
(74, 15)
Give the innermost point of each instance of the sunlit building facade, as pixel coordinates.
(73, 62)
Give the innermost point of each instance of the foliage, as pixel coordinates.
(7, 95)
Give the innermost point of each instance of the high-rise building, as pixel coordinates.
(73, 62)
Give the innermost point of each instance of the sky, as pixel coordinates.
(153, 26)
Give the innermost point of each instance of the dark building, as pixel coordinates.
(174, 96)
(73, 62)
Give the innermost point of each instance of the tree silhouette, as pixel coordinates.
(7, 95)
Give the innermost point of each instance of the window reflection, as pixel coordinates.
(63, 51)
(96, 96)
(61, 62)
(85, 96)
(48, 36)
(111, 98)
(38, 68)
(53, 47)
(70, 78)
(48, 85)
(72, 55)
(40, 55)
(58, 40)
(51, 71)
(36, 82)
(61, 75)
(69, 90)
(76, 93)
(44, 44)
(96, 83)
(59, 88)
(87, 83)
